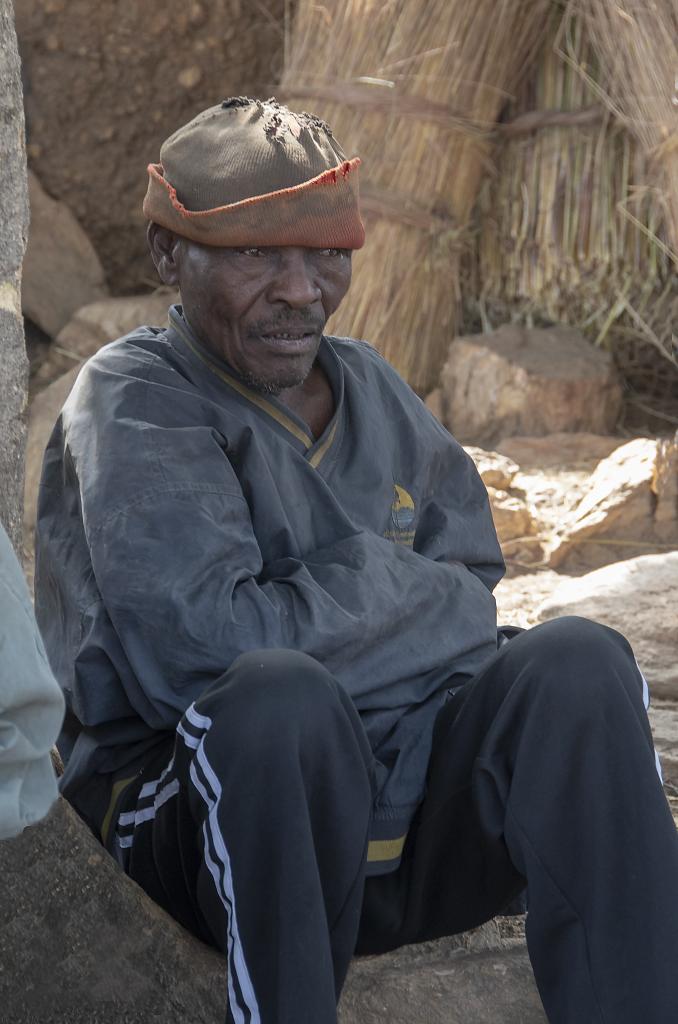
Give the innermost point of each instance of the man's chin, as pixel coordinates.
(274, 385)
(285, 366)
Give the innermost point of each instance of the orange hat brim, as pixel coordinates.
(320, 213)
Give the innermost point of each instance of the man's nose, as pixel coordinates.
(295, 281)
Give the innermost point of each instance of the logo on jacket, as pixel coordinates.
(402, 517)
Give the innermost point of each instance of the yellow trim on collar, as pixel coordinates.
(317, 456)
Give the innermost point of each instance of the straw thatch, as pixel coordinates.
(414, 89)
(636, 45)
(570, 232)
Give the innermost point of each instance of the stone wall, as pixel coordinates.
(13, 228)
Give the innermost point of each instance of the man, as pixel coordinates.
(265, 575)
(31, 705)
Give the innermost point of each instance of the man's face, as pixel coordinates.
(264, 310)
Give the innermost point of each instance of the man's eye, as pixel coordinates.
(253, 251)
(335, 253)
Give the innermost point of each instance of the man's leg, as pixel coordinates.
(543, 770)
(255, 835)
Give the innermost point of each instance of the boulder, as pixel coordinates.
(629, 507)
(559, 450)
(519, 595)
(664, 722)
(554, 475)
(515, 518)
(82, 944)
(512, 515)
(62, 271)
(13, 222)
(495, 470)
(665, 489)
(98, 323)
(638, 597)
(534, 382)
(441, 983)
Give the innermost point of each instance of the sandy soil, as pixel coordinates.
(105, 84)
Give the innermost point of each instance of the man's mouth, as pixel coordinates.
(294, 342)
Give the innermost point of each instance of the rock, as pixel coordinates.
(495, 470)
(519, 596)
(535, 382)
(13, 223)
(439, 983)
(82, 944)
(558, 450)
(665, 489)
(664, 722)
(512, 516)
(61, 270)
(517, 527)
(45, 409)
(98, 323)
(630, 507)
(554, 473)
(638, 597)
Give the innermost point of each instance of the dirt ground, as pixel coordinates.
(105, 84)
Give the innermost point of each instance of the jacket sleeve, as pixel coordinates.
(456, 520)
(186, 591)
(31, 705)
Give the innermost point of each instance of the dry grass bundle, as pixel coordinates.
(570, 232)
(414, 89)
(636, 44)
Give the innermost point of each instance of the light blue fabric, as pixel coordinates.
(31, 705)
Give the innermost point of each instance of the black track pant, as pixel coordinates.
(543, 772)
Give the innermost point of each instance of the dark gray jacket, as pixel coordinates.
(184, 519)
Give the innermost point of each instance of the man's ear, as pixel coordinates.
(165, 249)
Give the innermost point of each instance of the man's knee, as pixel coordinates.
(274, 696)
(572, 636)
(576, 660)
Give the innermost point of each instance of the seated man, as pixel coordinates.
(265, 577)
